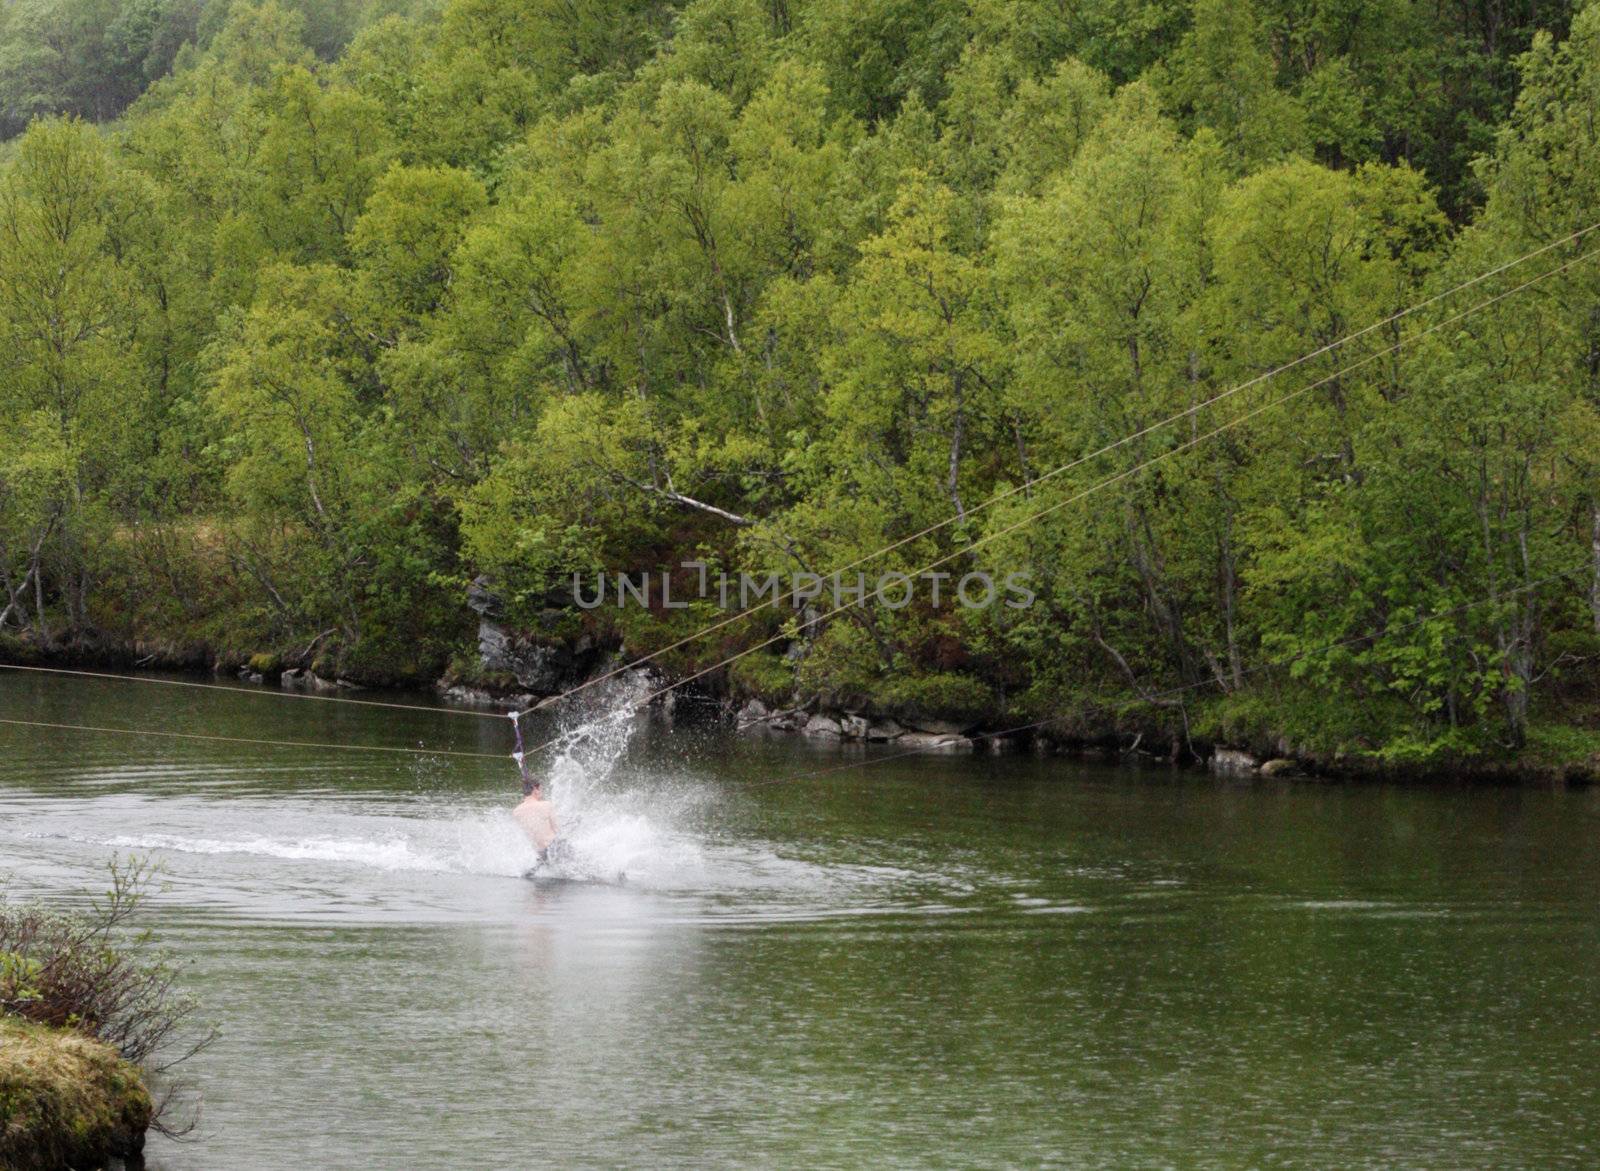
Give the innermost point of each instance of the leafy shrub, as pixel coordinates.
(265, 663)
(769, 678)
(945, 695)
(90, 973)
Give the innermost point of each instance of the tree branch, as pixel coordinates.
(683, 501)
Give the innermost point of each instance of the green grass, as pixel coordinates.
(1564, 745)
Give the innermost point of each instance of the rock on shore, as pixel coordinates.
(841, 725)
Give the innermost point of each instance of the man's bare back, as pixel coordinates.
(537, 818)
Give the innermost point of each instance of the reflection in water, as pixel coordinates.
(942, 961)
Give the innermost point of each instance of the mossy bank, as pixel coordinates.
(67, 1101)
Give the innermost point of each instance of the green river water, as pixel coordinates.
(936, 962)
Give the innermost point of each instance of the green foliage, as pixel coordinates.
(769, 678)
(84, 971)
(86, 1005)
(93, 58)
(409, 232)
(1222, 76)
(1561, 745)
(944, 695)
(317, 334)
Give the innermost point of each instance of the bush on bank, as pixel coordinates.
(90, 1013)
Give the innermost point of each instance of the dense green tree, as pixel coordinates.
(359, 301)
(1222, 77)
(69, 389)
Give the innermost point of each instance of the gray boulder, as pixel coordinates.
(854, 727)
(1233, 762)
(820, 725)
(753, 712)
(464, 696)
(935, 742)
(884, 730)
(537, 667)
(482, 600)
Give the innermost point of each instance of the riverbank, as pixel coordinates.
(67, 1101)
(1237, 737)
(1555, 755)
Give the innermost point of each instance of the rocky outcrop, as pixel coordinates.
(823, 726)
(757, 716)
(792, 720)
(884, 730)
(935, 742)
(540, 666)
(465, 695)
(856, 726)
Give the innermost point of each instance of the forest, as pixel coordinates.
(312, 314)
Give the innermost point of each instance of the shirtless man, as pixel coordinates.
(535, 815)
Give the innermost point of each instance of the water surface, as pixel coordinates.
(934, 962)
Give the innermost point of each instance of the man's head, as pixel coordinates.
(530, 782)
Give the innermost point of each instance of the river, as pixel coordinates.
(942, 961)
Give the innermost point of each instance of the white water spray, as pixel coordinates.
(610, 830)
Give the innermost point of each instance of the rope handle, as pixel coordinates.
(516, 726)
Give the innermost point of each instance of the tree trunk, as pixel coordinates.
(1594, 583)
(680, 499)
(14, 596)
(1165, 610)
(956, 437)
(38, 598)
(1022, 457)
(1230, 597)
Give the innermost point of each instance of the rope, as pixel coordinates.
(245, 740)
(405, 707)
(1160, 695)
(1123, 475)
(1028, 485)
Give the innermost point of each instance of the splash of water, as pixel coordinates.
(610, 830)
(593, 739)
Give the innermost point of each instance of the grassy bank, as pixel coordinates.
(66, 1100)
(88, 1009)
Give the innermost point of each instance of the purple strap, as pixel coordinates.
(520, 755)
